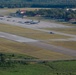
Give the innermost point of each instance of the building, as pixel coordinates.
(22, 11)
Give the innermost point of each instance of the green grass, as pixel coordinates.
(35, 69)
(63, 66)
(48, 68)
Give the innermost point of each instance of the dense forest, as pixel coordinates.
(37, 3)
(53, 13)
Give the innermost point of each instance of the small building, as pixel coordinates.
(73, 9)
(38, 15)
(72, 20)
(22, 11)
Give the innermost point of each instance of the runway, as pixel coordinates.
(54, 48)
(16, 38)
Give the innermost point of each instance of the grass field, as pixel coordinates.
(35, 69)
(66, 44)
(21, 48)
(50, 68)
(63, 66)
(64, 30)
(25, 32)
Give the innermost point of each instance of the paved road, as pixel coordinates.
(16, 38)
(69, 39)
(54, 48)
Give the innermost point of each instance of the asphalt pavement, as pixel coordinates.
(16, 38)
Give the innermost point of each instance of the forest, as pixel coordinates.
(37, 3)
(52, 13)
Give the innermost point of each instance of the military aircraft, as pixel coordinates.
(32, 22)
(28, 21)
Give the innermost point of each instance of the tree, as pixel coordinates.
(2, 57)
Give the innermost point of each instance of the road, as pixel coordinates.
(54, 48)
(16, 38)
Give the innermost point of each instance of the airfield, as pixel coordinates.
(40, 35)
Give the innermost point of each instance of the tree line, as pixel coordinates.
(53, 13)
(37, 3)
